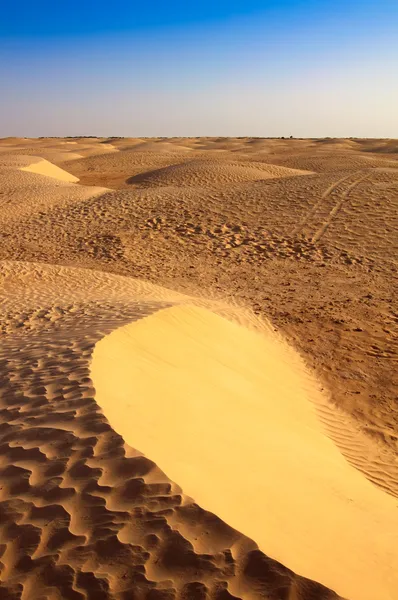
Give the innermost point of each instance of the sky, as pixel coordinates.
(266, 68)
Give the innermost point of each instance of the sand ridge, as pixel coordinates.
(44, 167)
(227, 413)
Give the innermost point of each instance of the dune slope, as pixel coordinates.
(228, 413)
(206, 172)
(30, 185)
(44, 167)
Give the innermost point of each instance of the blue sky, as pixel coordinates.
(257, 68)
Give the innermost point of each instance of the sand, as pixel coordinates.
(281, 281)
(228, 414)
(43, 167)
(211, 173)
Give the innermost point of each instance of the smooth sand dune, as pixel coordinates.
(205, 172)
(43, 167)
(228, 413)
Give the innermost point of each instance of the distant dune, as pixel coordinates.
(35, 185)
(43, 167)
(200, 173)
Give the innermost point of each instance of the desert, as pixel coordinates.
(198, 384)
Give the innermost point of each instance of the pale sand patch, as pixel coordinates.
(229, 414)
(43, 167)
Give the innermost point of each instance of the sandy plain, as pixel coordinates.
(202, 318)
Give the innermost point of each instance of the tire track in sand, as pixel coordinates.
(319, 203)
(305, 226)
(319, 234)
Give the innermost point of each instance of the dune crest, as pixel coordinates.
(44, 167)
(225, 411)
(36, 185)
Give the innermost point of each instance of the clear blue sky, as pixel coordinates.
(207, 67)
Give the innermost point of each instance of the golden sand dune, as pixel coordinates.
(114, 170)
(82, 513)
(226, 412)
(204, 173)
(43, 167)
(33, 185)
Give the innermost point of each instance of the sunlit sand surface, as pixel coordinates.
(198, 382)
(229, 414)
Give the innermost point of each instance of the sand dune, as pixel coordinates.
(35, 185)
(200, 173)
(226, 413)
(43, 167)
(114, 170)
